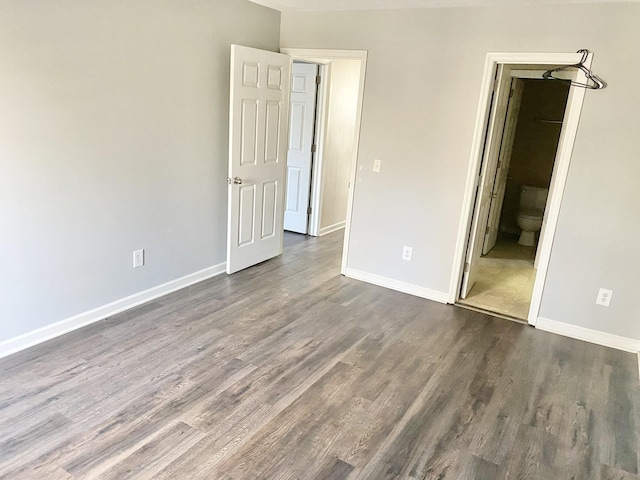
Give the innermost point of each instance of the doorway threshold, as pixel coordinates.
(493, 314)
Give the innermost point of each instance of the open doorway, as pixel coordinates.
(322, 127)
(526, 157)
(326, 101)
(489, 143)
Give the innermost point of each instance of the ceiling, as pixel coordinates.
(333, 5)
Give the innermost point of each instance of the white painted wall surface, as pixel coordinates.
(339, 140)
(113, 137)
(424, 71)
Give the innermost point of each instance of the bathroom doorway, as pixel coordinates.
(523, 133)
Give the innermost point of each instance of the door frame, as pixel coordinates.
(322, 105)
(323, 57)
(560, 169)
(320, 123)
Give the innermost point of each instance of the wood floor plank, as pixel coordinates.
(143, 419)
(48, 472)
(533, 455)
(496, 435)
(154, 455)
(335, 469)
(610, 473)
(476, 468)
(621, 431)
(273, 451)
(436, 422)
(13, 448)
(288, 370)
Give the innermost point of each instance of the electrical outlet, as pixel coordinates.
(604, 297)
(138, 258)
(376, 165)
(406, 253)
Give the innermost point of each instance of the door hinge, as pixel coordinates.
(308, 210)
(487, 230)
(313, 148)
(318, 79)
(467, 266)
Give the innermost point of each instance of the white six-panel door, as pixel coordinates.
(299, 158)
(259, 113)
(504, 161)
(493, 141)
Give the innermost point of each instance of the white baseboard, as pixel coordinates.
(332, 228)
(403, 287)
(588, 335)
(67, 325)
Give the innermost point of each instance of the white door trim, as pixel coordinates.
(324, 70)
(323, 56)
(561, 168)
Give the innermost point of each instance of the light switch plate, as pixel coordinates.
(377, 163)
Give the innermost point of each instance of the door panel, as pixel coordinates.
(274, 76)
(249, 131)
(504, 161)
(259, 107)
(487, 177)
(293, 187)
(247, 210)
(299, 156)
(269, 214)
(273, 132)
(296, 135)
(250, 74)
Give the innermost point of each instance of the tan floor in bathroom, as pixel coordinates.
(505, 279)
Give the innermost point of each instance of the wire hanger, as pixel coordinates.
(593, 81)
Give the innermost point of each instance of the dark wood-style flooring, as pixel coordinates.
(288, 370)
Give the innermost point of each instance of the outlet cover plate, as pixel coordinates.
(138, 258)
(604, 297)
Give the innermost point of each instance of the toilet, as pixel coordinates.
(530, 212)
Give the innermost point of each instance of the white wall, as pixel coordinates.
(424, 70)
(113, 137)
(339, 141)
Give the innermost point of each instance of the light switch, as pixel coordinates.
(377, 163)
